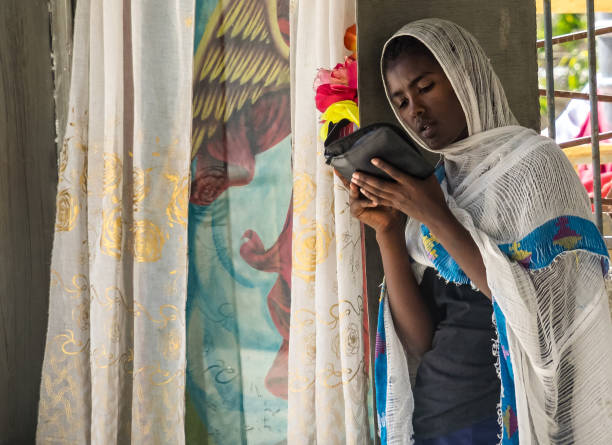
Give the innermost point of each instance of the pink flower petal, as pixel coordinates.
(323, 77)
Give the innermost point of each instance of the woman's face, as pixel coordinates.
(425, 99)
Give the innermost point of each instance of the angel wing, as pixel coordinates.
(241, 56)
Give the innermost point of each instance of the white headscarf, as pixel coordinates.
(513, 189)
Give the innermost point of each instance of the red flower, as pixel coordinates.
(330, 94)
(336, 85)
(345, 74)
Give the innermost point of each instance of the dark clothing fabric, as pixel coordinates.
(480, 433)
(456, 382)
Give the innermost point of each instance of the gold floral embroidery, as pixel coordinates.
(103, 359)
(58, 394)
(114, 296)
(83, 178)
(171, 344)
(310, 350)
(113, 168)
(304, 254)
(331, 377)
(113, 331)
(310, 247)
(141, 187)
(80, 284)
(148, 241)
(299, 382)
(67, 211)
(158, 376)
(324, 239)
(351, 340)
(335, 345)
(69, 341)
(80, 314)
(112, 233)
(302, 319)
(63, 157)
(177, 208)
(304, 190)
(344, 308)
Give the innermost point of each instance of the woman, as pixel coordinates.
(508, 217)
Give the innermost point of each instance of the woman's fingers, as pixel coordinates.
(353, 191)
(356, 200)
(395, 173)
(373, 199)
(373, 185)
(376, 200)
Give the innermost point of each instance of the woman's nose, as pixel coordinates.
(416, 108)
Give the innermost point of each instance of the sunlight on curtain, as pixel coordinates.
(115, 355)
(328, 357)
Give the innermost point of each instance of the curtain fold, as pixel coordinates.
(328, 359)
(115, 354)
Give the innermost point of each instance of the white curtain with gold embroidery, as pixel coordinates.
(115, 354)
(328, 377)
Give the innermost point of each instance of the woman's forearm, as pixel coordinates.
(410, 315)
(460, 245)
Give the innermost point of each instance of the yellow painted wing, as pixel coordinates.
(241, 56)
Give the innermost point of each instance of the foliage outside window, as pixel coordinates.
(571, 63)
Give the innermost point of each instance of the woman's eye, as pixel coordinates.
(403, 104)
(426, 88)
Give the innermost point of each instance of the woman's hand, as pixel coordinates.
(381, 218)
(424, 201)
(411, 317)
(421, 199)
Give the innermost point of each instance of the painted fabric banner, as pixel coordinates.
(239, 225)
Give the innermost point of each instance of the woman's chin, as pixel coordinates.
(434, 144)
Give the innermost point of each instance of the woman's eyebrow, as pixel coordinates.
(416, 80)
(411, 84)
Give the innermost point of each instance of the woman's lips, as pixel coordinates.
(427, 130)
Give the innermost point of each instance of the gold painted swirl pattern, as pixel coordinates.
(304, 190)
(179, 199)
(310, 247)
(141, 187)
(113, 170)
(67, 211)
(112, 232)
(148, 241)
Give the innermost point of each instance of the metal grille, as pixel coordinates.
(593, 97)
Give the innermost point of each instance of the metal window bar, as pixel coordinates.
(550, 80)
(585, 140)
(574, 95)
(594, 113)
(593, 97)
(573, 36)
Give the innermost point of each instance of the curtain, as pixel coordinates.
(114, 367)
(328, 357)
